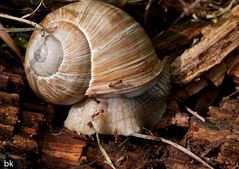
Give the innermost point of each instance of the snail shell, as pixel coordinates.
(121, 115)
(90, 48)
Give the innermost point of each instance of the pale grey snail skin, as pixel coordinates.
(121, 115)
(93, 49)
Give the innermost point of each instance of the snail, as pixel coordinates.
(91, 49)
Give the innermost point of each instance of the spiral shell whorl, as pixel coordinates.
(114, 46)
(42, 63)
(57, 69)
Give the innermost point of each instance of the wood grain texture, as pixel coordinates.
(210, 51)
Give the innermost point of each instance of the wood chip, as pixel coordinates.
(210, 51)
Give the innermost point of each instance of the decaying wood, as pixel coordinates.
(216, 140)
(204, 66)
(191, 88)
(28, 132)
(32, 124)
(24, 144)
(19, 160)
(233, 66)
(9, 98)
(32, 119)
(3, 81)
(19, 129)
(9, 115)
(174, 116)
(6, 130)
(217, 73)
(10, 78)
(175, 40)
(124, 155)
(61, 150)
(210, 51)
(15, 80)
(38, 107)
(207, 97)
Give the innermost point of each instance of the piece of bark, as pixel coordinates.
(6, 130)
(217, 73)
(191, 89)
(19, 144)
(33, 120)
(232, 62)
(217, 139)
(235, 74)
(11, 75)
(5, 66)
(9, 99)
(207, 97)
(230, 106)
(174, 116)
(24, 144)
(18, 160)
(179, 120)
(2, 68)
(32, 125)
(174, 41)
(175, 163)
(41, 108)
(130, 156)
(3, 81)
(210, 51)
(229, 154)
(15, 80)
(28, 132)
(61, 150)
(233, 67)
(9, 115)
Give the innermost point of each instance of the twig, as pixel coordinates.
(16, 29)
(92, 162)
(27, 15)
(10, 42)
(195, 114)
(107, 158)
(154, 138)
(232, 94)
(147, 10)
(221, 11)
(22, 20)
(186, 12)
(192, 112)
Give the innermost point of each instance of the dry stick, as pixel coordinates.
(92, 162)
(17, 29)
(195, 114)
(27, 15)
(10, 42)
(192, 112)
(22, 20)
(185, 12)
(154, 138)
(107, 158)
(147, 10)
(221, 11)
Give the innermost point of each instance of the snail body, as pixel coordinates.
(121, 115)
(93, 49)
